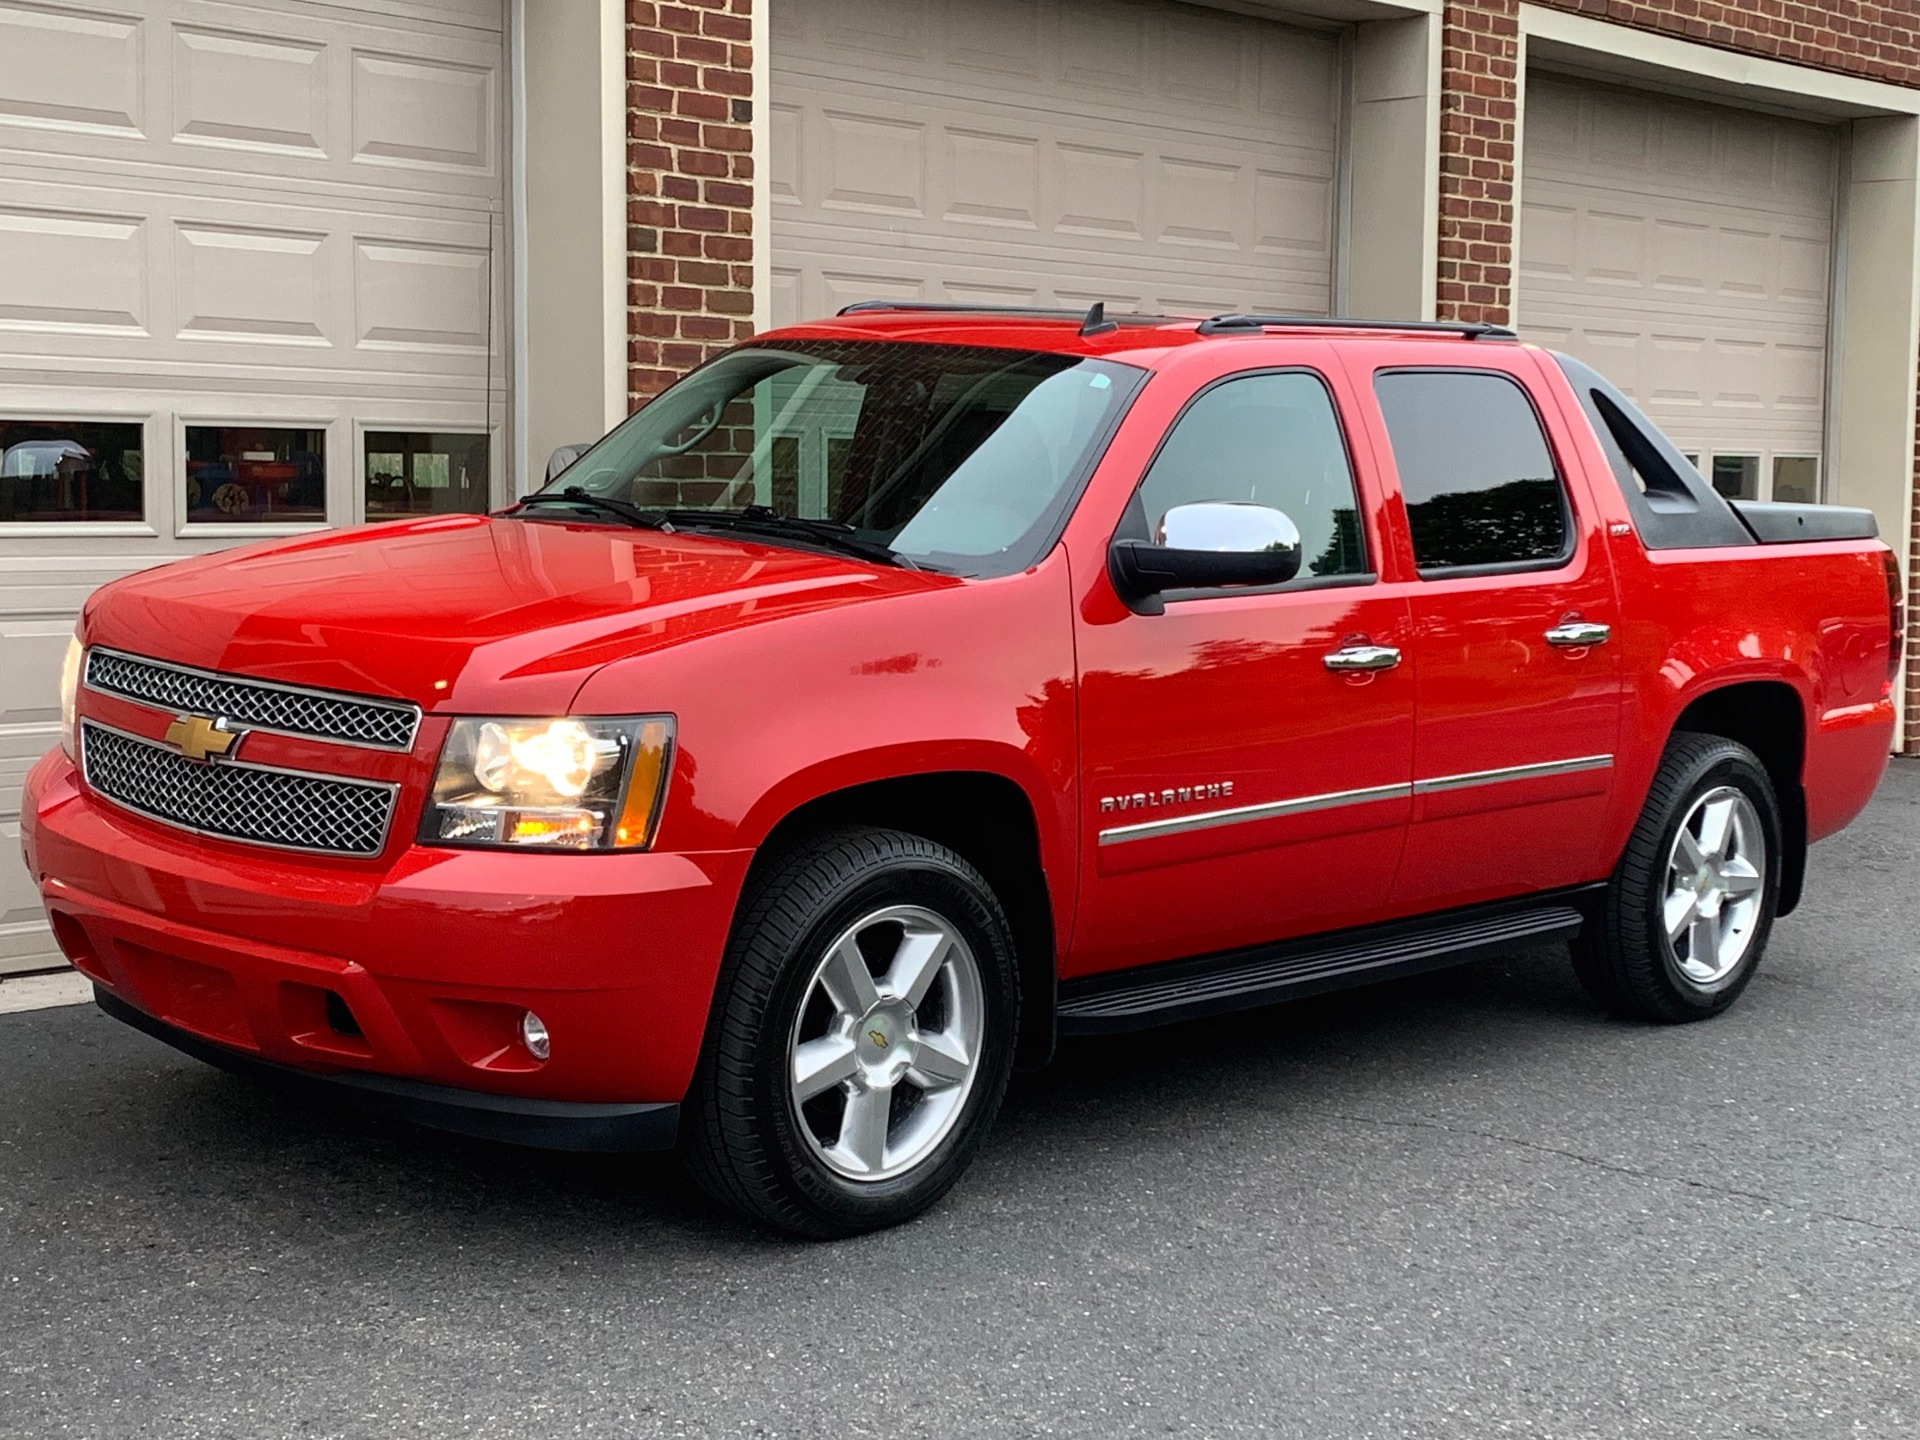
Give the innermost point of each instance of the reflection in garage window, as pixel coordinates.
(250, 473)
(424, 472)
(1796, 479)
(1737, 476)
(54, 470)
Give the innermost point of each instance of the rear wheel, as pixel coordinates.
(862, 1036)
(1691, 903)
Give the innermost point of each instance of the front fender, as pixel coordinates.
(976, 677)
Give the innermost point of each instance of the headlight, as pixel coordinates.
(571, 784)
(69, 694)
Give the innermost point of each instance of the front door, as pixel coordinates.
(1517, 702)
(1235, 787)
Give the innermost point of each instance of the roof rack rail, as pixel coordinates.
(1470, 329)
(934, 307)
(1031, 312)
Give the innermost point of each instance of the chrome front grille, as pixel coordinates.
(323, 714)
(262, 806)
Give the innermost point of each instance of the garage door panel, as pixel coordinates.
(291, 97)
(249, 92)
(1685, 250)
(72, 69)
(999, 37)
(995, 179)
(253, 284)
(209, 282)
(421, 297)
(72, 271)
(1140, 146)
(423, 114)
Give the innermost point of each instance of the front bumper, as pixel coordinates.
(545, 1124)
(417, 968)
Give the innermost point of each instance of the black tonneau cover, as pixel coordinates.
(1777, 524)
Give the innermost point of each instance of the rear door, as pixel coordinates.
(1518, 690)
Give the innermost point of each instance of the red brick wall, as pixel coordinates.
(1478, 164)
(690, 185)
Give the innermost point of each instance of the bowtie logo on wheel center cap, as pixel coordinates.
(884, 1037)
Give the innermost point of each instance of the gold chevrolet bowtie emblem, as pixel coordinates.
(199, 738)
(878, 1037)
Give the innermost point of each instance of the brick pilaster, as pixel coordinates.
(689, 185)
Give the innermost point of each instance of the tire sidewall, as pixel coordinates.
(957, 898)
(1738, 770)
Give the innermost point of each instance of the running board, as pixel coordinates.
(1240, 979)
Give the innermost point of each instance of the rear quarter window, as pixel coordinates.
(1479, 480)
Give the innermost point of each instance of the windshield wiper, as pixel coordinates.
(574, 495)
(765, 520)
(751, 519)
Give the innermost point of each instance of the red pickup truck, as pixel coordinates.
(900, 692)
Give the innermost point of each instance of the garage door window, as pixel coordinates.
(242, 473)
(1480, 484)
(424, 472)
(1737, 476)
(61, 470)
(1796, 479)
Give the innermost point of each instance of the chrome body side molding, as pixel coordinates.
(1512, 772)
(1241, 814)
(1300, 805)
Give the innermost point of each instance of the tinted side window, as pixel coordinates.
(1479, 480)
(1274, 440)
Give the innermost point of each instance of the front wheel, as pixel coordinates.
(862, 1038)
(1687, 914)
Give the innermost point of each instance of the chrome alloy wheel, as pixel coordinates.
(1715, 884)
(887, 1043)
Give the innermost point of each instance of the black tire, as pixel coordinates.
(742, 1135)
(1624, 955)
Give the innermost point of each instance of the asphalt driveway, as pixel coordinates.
(1466, 1205)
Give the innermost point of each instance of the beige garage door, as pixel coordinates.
(249, 286)
(1685, 250)
(1151, 155)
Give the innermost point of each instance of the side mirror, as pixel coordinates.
(565, 455)
(1214, 543)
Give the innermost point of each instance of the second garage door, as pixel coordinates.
(1685, 250)
(1056, 152)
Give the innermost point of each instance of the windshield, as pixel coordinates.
(956, 457)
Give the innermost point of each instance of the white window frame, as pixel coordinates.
(496, 458)
(150, 423)
(334, 515)
(1819, 471)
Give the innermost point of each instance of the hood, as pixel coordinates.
(469, 613)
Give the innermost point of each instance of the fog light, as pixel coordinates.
(533, 1034)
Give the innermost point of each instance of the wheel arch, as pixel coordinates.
(989, 820)
(1768, 717)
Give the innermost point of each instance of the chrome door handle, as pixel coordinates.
(1576, 634)
(1362, 657)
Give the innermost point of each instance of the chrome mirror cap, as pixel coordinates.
(1211, 545)
(1234, 526)
(563, 457)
